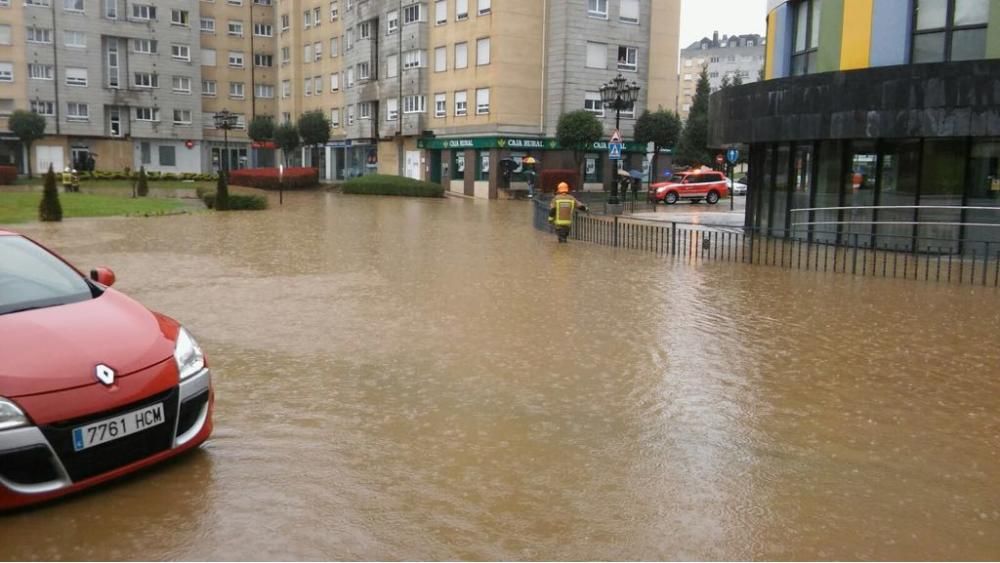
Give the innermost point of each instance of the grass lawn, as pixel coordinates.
(123, 184)
(21, 207)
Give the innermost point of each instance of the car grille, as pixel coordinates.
(190, 409)
(116, 453)
(28, 466)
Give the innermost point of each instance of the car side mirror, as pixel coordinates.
(103, 276)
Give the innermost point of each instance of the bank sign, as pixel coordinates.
(515, 143)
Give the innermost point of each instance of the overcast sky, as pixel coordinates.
(699, 18)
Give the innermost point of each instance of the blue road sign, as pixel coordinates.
(732, 155)
(615, 151)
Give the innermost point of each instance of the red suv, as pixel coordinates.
(694, 186)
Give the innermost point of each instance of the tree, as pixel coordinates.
(261, 128)
(726, 83)
(693, 147)
(576, 131)
(142, 188)
(50, 209)
(29, 127)
(662, 128)
(315, 131)
(222, 193)
(737, 80)
(286, 136)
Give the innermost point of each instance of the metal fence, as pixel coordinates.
(978, 263)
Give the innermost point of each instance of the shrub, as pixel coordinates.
(237, 202)
(142, 188)
(377, 184)
(8, 174)
(221, 202)
(549, 179)
(267, 178)
(50, 209)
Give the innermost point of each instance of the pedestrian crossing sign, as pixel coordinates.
(615, 151)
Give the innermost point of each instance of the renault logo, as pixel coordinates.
(105, 374)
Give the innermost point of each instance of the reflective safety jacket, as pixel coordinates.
(67, 178)
(561, 210)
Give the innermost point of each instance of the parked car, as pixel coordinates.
(695, 186)
(739, 187)
(92, 384)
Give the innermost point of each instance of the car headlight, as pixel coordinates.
(661, 190)
(190, 359)
(11, 416)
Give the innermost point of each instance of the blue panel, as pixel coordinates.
(891, 32)
(783, 42)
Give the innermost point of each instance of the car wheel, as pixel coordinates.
(671, 198)
(713, 197)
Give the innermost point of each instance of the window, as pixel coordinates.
(111, 9)
(144, 153)
(392, 66)
(950, 30)
(805, 37)
(349, 40)
(145, 80)
(597, 55)
(482, 101)
(307, 53)
(234, 2)
(73, 5)
(461, 55)
(235, 27)
(77, 39)
(334, 11)
(147, 114)
(168, 153)
(6, 72)
(440, 59)
(391, 109)
(181, 84)
(307, 19)
(183, 117)
(264, 90)
(208, 88)
(180, 52)
(461, 103)
(350, 115)
(144, 46)
(461, 10)
(5, 35)
(179, 17)
(392, 22)
(441, 12)
(414, 104)
(284, 22)
(39, 35)
(440, 105)
(39, 71)
(413, 59)
(334, 82)
(262, 2)
(484, 7)
(412, 13)
(208, 57)
(365, 30)
(236, 59)
(286, 55)
(483, 51)
(43, 107)
(317, 50)
(350, 77)
(334, 117)
(236, 90)
(208, 25)
(263, 30)
(241, 121)
(364, 71)
(39, 3)
(628, 58)
(76, 111)
(365, 110)
(597, 8)
(629, 12)
(334, 51)
(307, 86)
(143, 12)
(592, 103)
(286, 88)
(316, 16)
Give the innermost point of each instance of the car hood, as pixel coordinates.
(665, 185)
(59, 348)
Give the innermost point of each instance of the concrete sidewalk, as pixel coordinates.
(702, 214)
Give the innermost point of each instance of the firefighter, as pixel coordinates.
(562, 210)
(67, 180)
(75, 180)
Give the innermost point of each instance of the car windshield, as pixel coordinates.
(32, 278)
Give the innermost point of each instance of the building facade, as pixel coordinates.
(878, 124)
(404, 83)
(729, 59)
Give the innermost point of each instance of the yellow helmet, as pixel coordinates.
(562, 188)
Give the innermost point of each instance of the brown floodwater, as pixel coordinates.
(403, 379)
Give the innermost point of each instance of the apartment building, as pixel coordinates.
(738, 58)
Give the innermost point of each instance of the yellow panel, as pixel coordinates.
(855, 49)
(772, 39)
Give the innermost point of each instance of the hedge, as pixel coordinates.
(237, 202)
(549, 179)
(8, 174)
(150, 176)
(267, 178)
(377, 184)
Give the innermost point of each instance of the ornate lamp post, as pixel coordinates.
(618, 94)
(225, 120)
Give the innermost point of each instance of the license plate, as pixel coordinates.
(117, 427)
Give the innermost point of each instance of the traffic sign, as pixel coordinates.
(719, 159)
(616, 137)
(732, 155)
(614, 151)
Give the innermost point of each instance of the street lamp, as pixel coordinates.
(618, 94)
(225, 120)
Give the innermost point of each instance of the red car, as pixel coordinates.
(694, 186)
(92, 384)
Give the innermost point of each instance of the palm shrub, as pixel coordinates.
(50, 209)
(221, 193)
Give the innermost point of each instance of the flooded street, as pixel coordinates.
(402, 379)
